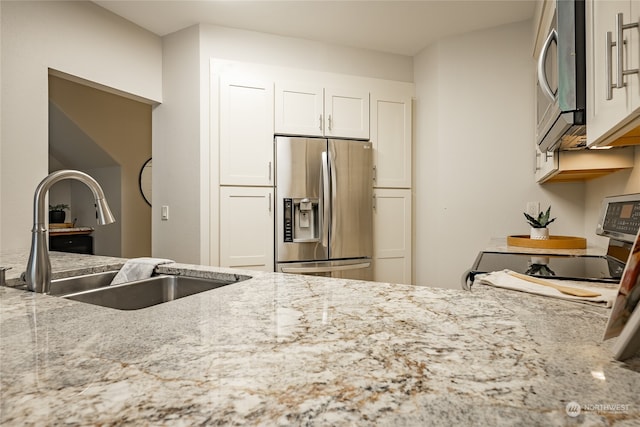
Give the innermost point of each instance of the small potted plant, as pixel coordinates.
(539, 230)
(57, 213)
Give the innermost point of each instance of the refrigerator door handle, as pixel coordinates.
(302, 270)
(334, 190)
(325, 199)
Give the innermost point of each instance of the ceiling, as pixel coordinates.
(400, 27)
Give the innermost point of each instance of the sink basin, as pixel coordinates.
(71, 285)
(147, 292)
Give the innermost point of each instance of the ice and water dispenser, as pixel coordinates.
(301, 220)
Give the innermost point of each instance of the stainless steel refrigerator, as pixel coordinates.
(324, 207)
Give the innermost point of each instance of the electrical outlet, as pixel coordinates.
(533, 209)
(164, 215)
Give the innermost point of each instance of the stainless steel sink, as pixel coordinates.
(72, 285)
(148, 292)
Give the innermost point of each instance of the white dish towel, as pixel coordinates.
(502, 279)
(138, 269)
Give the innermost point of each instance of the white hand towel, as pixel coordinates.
(502, 279)
(138, 269)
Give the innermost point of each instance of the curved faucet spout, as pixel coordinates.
(38, 273)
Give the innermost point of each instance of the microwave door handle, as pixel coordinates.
(542, 76)
(325, 199)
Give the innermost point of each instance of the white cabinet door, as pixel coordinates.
(246, 132)
(392, 236)
(605, 115)
(246, 227)
(299, 109)
(346, 113)
(546, 164)
(391, 139)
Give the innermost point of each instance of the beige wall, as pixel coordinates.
(122, 128)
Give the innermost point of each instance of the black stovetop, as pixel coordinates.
(567, 267)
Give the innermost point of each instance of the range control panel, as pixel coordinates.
(620, 217)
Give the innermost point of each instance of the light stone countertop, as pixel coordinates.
(283, 349)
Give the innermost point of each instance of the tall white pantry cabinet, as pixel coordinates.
(252, 104)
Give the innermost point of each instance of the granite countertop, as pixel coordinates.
(283, 349)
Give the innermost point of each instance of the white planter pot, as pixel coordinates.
(539, 233)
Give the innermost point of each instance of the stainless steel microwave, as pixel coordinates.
(561, 96)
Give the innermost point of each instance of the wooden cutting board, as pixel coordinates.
(554, 242)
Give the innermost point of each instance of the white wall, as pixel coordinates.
(176, 151)
(78, 38)
(267, 49)
(473, 151)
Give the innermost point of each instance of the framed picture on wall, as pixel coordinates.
(624, 320)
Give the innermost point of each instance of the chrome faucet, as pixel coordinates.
(38, 274)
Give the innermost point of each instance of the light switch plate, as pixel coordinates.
(164, 215)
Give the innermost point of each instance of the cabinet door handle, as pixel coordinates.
(320, 127)
(374, 202)
(608, 67)
(375, 173)
(619, 45)
(269, 171)
(270, 203)
(619, 49)
(329, 121)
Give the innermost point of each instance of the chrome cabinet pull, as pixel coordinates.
(330, 121)
(269, 171)
(270, 203)
(608, 67)
(374, 202)
(619, 45)
(320, 122)
(375, 173)
(619, 50)
(542, 75)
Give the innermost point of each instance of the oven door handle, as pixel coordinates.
(542, 76)
(302, 270)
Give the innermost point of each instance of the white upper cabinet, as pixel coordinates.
(346, 113)
(612, 50)
(299, 109)
(246, 132)
(391, 138)
(312, 110)
(546, 164)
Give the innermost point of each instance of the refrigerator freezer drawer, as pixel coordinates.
(360, 269)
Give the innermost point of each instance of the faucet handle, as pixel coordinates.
(2, 279)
